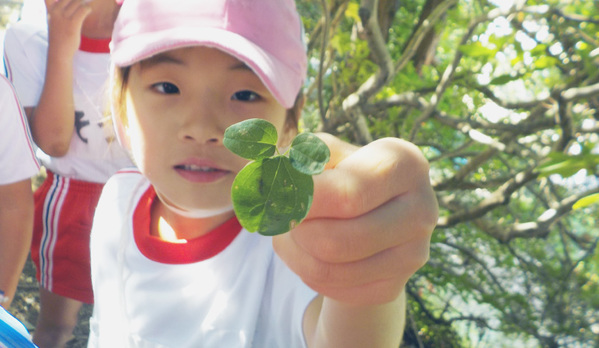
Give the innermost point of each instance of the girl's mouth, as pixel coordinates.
(200, 174)
(195, 168)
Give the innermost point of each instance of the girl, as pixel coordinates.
(171, 267)
(60, 73)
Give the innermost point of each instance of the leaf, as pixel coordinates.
(545, 62)
(539, 50)
(586, 201)
(568, 165)
(352, 12)
(503, 79)
(252, 139)
(565, 169)
(476, 49)
(270, 196)
(309, 154)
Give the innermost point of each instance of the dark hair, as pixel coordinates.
(120, 80)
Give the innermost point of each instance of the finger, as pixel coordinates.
(60, 5)
(366, 178)
(381, 266)
(339, 149)
(347, 240)
(49, 4)
(77, 10)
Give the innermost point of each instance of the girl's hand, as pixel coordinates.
(65, 19)
(370, 224)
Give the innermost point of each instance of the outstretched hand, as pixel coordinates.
(370, 224)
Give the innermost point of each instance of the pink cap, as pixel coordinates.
(264, 34)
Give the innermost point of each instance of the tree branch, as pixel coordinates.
(420, 34)
(447, 76)
(576, 93)
(488, 92)
(499, 197)
(574, 17)
(324, 42)
(540, 227)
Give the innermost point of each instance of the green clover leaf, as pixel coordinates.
(309, 154)
(252, 139)
(272, 194)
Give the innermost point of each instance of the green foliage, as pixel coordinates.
(586, 201)
(308, 154)
(272, 195)
(252, 140)
(513, 263)
(477, 50)
(568, 165)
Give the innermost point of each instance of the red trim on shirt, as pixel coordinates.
(94, 45)
(195, 250)
(128, 170)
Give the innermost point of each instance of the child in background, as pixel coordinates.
(171, 266)
(17, 165)
(60, 74)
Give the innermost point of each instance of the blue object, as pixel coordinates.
(13, 333)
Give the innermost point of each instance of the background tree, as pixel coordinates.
(502, 97)
(9, 10)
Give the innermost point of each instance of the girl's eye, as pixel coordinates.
(245, 96)
(166, 88)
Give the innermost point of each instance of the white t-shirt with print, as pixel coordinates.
(94, 153)
(244, 296)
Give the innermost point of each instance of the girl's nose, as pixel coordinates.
(203, 124)
(201, 131)
(213, 140)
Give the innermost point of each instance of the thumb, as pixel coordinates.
(358, 180)
(339, 149)
(326, 194)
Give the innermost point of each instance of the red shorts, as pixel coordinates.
(64, 211)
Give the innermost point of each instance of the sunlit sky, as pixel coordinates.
(502, 4)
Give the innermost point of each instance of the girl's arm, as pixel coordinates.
(52, 121)
(329, 323)
(367, 233)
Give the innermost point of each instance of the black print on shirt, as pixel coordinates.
(79, 124)
(108, 133)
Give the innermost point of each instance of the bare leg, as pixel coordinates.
(56, 321)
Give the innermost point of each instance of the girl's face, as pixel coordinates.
(178, 106)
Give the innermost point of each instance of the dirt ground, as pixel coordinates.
(25, 307)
